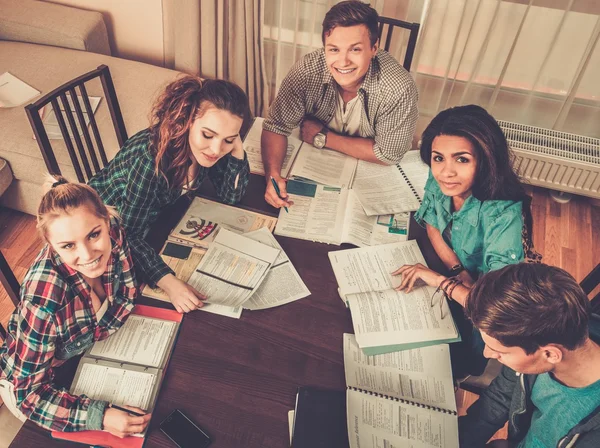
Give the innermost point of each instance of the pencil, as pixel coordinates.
(137, 414)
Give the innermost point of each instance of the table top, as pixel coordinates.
(237, 378)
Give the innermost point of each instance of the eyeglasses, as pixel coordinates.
(440, 296)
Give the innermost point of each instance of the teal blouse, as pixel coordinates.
(485, 236)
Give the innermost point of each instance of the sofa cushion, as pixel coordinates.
(6, 176)
(46, 23)
(45, 68)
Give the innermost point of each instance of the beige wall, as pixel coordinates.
(135, 27)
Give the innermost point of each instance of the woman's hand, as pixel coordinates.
(123, 424)
(413, 272)
(184, 297)
(238, 148)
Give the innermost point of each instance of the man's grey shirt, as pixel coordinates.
(388, 95)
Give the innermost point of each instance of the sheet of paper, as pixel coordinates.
(362, 230)
(391, 317)
(384, 189)
(317, 213)
(252, 147)
(232, 269)
(115, 385)
(324, 166)
(421, 375)
(14, 92)
(379, 422)
(370, 268)
(204, 218)
(141, 340)
(51, 122)
(282, 284)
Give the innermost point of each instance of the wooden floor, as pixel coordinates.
(566, 235)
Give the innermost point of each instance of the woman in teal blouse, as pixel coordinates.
(475, 209)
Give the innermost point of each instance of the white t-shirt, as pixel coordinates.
(346, 121)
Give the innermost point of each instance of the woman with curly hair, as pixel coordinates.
(194, 134)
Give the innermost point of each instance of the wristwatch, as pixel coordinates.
(456, 269)
(320, 139)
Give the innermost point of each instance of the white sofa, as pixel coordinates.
(46, 45)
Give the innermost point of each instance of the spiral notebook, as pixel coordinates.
(400, 399)
(384, 190)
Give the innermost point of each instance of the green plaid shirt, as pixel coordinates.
(130, 184)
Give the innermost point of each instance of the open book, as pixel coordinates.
(332, 215)
(391, 189)
(386, 320)
(400, 399)
(127, 368)
(204, 218)
(302, 160)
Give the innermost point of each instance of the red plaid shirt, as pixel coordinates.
(55, 321)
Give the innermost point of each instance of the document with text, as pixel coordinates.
(232, 269)
(386, 320)
(391, 189)
(331, 215)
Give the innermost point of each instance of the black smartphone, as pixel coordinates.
(184, 432)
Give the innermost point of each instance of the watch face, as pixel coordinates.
(319, 141)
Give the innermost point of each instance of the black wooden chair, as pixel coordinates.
(589, 284)
(386, 28)
(90, 156)
(10, 284)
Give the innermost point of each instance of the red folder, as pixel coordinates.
(104, 438)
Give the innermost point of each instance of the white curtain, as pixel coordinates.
(218, 39)
(531, 62)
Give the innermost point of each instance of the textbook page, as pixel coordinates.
(252, 146)
(362, 230)
(317, 214)
(381, 422)
(141, 340)
(116, 385)
(390, 320)
(14, 92)
(232, 269)
(324, 166)
(282, 284)
(204, 218)
(383, 189)
(370, 268)
(422, 375)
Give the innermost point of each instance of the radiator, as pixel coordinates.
(554, 159)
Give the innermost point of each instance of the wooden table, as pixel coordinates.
(237, 379)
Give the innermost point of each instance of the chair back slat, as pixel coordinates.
(83, 129)
(65, 133)
(73, 100)
(94, 127)
(90, 156)
(9, 281)
(412, 40)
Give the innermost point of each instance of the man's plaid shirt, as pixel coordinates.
(388, 94)
(130, 184)
(55, 321)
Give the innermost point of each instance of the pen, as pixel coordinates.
(137, 414)
(278, 191)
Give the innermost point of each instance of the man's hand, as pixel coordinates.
(122, 424)
(183, 296)
(309, 128)
(271, 195)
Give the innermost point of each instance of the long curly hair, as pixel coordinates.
(182, 102)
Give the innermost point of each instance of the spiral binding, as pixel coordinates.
(410, 185)
(401, 400)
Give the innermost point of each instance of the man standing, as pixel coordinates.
(348, 97)
(535, 319)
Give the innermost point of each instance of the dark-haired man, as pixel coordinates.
(348, 97)
(535, 319)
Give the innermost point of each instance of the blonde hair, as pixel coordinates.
(61, 196)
